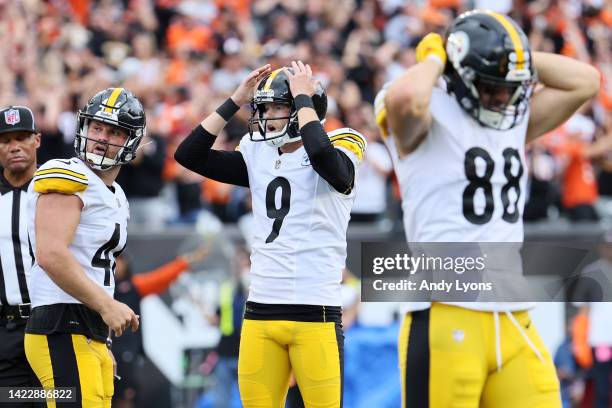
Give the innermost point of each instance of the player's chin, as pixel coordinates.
(106, 153)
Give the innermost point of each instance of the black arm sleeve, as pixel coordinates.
(195, 154)
(332, 164)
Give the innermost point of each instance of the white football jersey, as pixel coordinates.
(300, 222)
(100, 235)
(464, 183)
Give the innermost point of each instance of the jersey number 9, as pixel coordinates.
(278, 214)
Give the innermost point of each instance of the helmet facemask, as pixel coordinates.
(503, 104)
(476, 94)
(258, 123)
(102, 161)
(274, 89)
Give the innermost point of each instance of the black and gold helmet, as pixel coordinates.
(117, 107)
(274, 88)
(489, 68)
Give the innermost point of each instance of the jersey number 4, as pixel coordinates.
(278, 214)
(484, 183)
(102, 258)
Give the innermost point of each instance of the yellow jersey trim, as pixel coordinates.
(58, 185)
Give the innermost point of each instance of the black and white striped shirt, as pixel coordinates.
(16, 256)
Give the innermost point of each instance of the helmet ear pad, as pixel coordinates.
(319, 100)
(128, 152)
(459, 88)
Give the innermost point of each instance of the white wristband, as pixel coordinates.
(435, 58)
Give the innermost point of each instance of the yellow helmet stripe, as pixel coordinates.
(113, 99)
(273, 75)
(514, 36)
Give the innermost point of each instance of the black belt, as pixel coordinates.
(15, 312)
(293, 313)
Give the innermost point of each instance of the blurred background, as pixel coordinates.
(189, 237)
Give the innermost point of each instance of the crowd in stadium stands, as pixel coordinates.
(182, 58)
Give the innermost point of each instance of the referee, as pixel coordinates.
(19, 140)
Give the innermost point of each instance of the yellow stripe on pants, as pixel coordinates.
(39, 357)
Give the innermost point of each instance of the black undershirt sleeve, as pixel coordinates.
(330, 163)
(195, 154)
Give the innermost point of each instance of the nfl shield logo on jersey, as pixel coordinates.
(11, 117)
(305, 160)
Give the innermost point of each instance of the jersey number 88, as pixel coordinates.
(484, 183)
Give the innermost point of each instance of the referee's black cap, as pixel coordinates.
(17, 118)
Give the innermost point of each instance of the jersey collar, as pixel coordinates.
(6, 187)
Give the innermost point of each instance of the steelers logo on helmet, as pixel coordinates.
(457, 47)
(117, 107)
(274, 117)
(489, 68)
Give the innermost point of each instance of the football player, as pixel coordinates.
(79, 216)
(302, 182)
(456, 124)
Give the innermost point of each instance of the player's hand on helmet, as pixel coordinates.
(244, 93)
(119, 317)
(301, 80)
(431, 47)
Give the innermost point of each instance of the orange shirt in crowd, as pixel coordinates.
(456, 4)
(171, 167)
(606, 16)
(158, 280)
(332, 123)
(242, 7)
(215, 192)
(605, 92)
(80, 9)
(197, 38)
(176, 73)
(172, 118)
(579, 185)
(580, 340)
